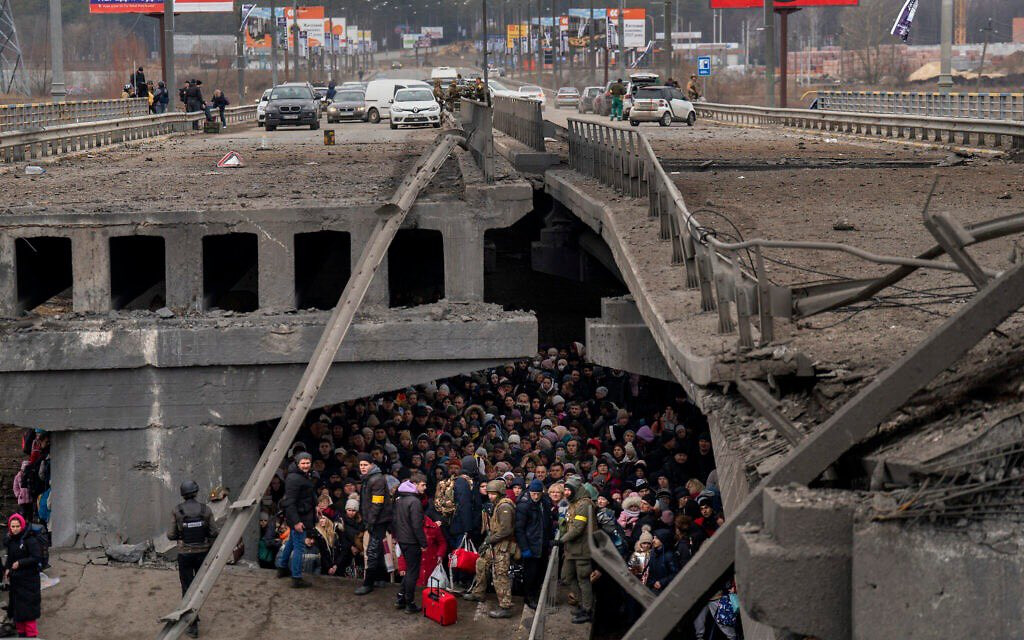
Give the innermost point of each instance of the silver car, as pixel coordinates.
(348, 104)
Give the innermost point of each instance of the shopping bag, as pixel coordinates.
(439, 577)
(464, 558)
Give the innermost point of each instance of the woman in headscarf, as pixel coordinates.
(21, 571)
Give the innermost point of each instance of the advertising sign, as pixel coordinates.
(157, 6)
(259, 28)
(310, 20)
(435, 33)
(634, 23)
(781, 4)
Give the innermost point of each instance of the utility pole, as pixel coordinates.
(592, 54)
(556, 45)
(946, 62)
(988, 31)
(668, 39)
(769, 53)
(540, 45)
(274, 44)
(57, 88)
(621, 66)
(487, 79)
(295, 36)
(169, 81)
(240, 54)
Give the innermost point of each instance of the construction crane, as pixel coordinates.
(960, 21)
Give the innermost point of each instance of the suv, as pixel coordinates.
(663, 105)
(586, 102)
(261, 108)
(293, 104)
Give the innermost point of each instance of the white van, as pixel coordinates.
(379, 94)
(444, 74)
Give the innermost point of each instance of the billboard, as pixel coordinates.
(311, 21)
(634, 23)
(259, 28)
(157, 6)
(781, 4)
(435, 33)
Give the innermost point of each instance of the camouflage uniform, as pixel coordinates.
(575, 538)
(497, 553)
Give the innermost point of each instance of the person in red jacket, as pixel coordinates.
(437, 546)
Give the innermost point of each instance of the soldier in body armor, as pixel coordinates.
(193, 527)
(498, 551)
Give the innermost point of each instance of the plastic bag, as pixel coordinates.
(439, 578)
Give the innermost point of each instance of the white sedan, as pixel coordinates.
(533, 92)
(415, 107)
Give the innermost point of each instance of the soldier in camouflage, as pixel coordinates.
(575, 532)
(497, 551)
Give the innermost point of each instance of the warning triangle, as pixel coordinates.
(231, 161)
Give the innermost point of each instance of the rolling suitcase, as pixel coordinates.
(439, 605)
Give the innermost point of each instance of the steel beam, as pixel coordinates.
(952, 237)
(392, 214)
(849, 425)
(602, 551)
(758, 396)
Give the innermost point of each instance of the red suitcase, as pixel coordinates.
(440, 606)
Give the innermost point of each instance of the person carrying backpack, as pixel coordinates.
(377, 509)
(193, 527)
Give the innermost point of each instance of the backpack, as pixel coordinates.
(726, 613)
(444, 497)
(43, 536)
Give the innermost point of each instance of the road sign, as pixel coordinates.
(231, 161)
(704, 66)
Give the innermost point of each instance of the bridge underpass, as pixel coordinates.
(809, 374)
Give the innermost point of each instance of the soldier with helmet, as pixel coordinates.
(575, 532)
(497, 551)
(193, 527)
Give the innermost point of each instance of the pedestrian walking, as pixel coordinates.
(299, 505)
(377, 510)
(411, 538)
(617, 92)
(220, 101)
(21, 573)
(193, 527)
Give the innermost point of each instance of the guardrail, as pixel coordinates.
(33, 145)
(979, 132)
(476, 120)
(547, 603)
(987, 106)
(742, 291)
(17, 117)
(520, 118)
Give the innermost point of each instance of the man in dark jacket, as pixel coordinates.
(193, 527)
(141, 88)
(466, 521)
(533, 533)
(408, 526)
(299, 504)
(377, 510)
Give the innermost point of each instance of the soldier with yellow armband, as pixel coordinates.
(575, 532)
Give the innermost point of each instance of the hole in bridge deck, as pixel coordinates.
(416, 267)
(44, 274)
(230, 272)
(322, 268)
(138, 277)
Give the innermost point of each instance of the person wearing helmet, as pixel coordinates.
(497, 551)
(575, 532)
(193, 527)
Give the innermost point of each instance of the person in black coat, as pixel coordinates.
(661, 568)
(377, 509)
(533, 535)
(299, 505)
(412, 539)
(21, 571)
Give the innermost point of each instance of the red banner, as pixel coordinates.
(781, 4)
(157, 6)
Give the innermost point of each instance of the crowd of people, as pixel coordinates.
(500, 467)
(190, 94)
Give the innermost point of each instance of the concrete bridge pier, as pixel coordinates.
(121, 481)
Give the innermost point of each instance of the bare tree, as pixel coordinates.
(865, 32)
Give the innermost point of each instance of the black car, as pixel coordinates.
(293, 104)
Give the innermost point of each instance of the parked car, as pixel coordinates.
(603, 103)
(380, 93)
(349, 104)
(396, 65)
(415, 106)
(567, 97)
(261, 108)
(444, 74)
(498, 89)
(533, 92)
(293, 104)
(586, 101)
(663, 105)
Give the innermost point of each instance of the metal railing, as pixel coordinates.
(520, 118)
(476, 120)
(966, 131)
(547, 604)
(17, 117)
(20, 146)
(987, 106)
(742, 291)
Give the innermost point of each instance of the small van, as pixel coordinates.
(380, 93)
(444, 74)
